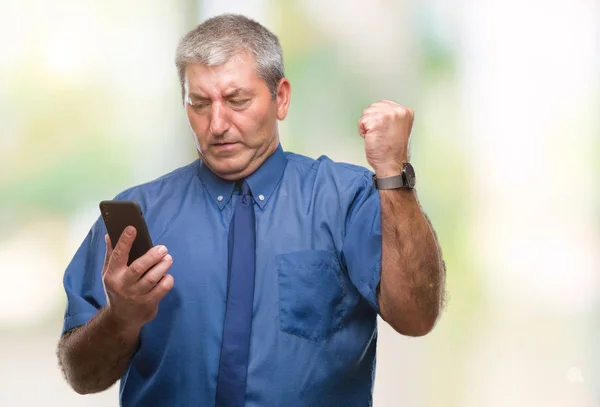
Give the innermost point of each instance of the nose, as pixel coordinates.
(219, 122)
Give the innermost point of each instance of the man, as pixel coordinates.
(271, 267)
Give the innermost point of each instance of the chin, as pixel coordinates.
(228, 168)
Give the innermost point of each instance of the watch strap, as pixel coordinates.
(395, 182)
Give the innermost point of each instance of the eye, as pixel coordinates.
(198, 106)
(239, 102)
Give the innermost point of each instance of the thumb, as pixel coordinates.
(109, 250)
(362, 126)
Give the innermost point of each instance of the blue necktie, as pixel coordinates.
(233, 366)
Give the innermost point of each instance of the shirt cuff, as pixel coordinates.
(73, 321)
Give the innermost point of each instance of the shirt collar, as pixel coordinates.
(262, 182)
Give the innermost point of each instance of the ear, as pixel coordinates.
(284, 92)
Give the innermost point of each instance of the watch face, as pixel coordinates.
(409, 174)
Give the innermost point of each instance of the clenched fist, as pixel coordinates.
(386, 128)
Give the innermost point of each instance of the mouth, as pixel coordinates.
(225, 145)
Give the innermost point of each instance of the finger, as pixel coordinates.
(371, 109)
(162, 288)
(154, 275)
(108, 243)
(140, 266)
(363, 126)
(381, 105)
(107, 254)
(120, 253)
(366, 123)
(373, 114)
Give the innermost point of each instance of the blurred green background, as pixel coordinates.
(505, 143)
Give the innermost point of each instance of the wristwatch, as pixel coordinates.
(406, 179)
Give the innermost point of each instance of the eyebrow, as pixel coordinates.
(229, 94)
(238, 92)
(198, 96)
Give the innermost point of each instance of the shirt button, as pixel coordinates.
(220, 198)
(261, 197)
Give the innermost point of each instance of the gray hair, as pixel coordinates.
(218, 39)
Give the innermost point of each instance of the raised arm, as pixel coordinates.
(412, 285)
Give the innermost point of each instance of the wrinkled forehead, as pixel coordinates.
(238, 72)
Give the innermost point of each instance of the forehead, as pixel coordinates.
(238, 72)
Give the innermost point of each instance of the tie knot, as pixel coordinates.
(244, 188)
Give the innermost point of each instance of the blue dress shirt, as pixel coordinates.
(318, 265)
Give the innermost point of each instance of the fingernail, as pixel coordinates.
(162, 250)
(168, 257)
(129, 231)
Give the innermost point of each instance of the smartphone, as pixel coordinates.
(117, 215)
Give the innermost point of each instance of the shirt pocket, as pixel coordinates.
(313, 294)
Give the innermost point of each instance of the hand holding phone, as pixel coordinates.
(135, 278)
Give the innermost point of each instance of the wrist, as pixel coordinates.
(390, 170)
(126, 329)
(384, 178)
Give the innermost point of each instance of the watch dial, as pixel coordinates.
(409, 172)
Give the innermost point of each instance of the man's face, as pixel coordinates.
(233, 101)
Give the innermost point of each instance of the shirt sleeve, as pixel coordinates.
(83, 279)
(361, 250)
